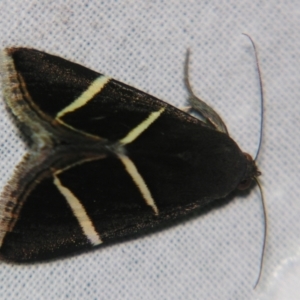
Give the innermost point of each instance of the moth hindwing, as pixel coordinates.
(106, 160)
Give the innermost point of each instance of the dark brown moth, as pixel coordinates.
(106, 160)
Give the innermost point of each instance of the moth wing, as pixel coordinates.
(156, 162)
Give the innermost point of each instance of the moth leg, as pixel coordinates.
(186, 108)
(210, 116)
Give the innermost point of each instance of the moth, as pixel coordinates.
(106, 160)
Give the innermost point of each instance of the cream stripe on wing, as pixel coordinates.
(135, 132)
(96, 86)
(79, 212)
(139, 181)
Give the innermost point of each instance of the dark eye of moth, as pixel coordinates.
(106, 160)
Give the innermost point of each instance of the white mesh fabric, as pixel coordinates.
(143, 43)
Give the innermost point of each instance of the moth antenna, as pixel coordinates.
(256, 156)
(265, 233)
(261, 96)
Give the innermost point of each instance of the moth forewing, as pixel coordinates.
(106, 160)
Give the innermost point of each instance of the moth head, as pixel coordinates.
(252, 172)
